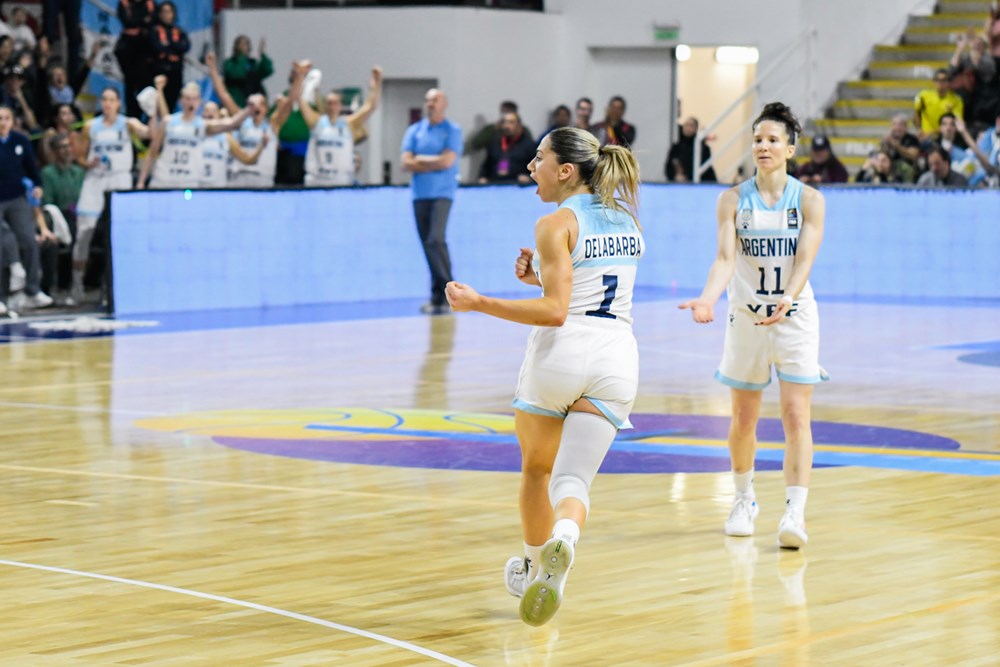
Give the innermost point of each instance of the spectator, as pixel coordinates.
(680, 160)
(12, 96)
(330, 158)
(64, 121)
(989, 145)
(973, 61)
(992, 30)
(169, 44)
(6, 50)
(508, 155)
(823, 167)
(482, 139)
(939, 173)
(880, 169)
(62, 179)
(17, 162)
(930, 105)
(900, 143)
(24, 36)
(958, 143)
(561, 117)
(134, 50)
(63, 89)
(584, 111)
(430, 150)
(244, 74)
(973, 162)
(70, 12)
(613, 130)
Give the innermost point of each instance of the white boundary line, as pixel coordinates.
(249, 605)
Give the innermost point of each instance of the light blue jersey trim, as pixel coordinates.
(611, 417)
(609, 261)
(736, 384)
(804, 379)
(535, 410)
(767, 232)
(790, 198)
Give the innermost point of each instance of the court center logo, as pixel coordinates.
(455, 440)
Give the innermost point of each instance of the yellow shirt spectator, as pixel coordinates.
(930, 105)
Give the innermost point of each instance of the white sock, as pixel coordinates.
(743, 481)
(567, 529)
(795, 496)
(533, 554)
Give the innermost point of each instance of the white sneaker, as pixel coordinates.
(39, 300)
(742, 516)
(515, 575)
(543, 596)
(18, 276)
(792, 529)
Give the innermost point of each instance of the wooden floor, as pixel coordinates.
(277, 495)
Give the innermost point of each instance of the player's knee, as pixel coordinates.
(565, 486)
(535, 467)
(795, 417)
(744, 420)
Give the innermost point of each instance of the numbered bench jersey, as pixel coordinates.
(180, 161)
(767, 238)
(330, 156)
(605, 259)
(214, 160)
(112, 144)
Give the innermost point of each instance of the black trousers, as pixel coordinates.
(432, 222)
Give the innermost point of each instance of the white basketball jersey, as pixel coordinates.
(608, 247)
(180, 161)
(250, 137)
(330, 158)
(112, 144)
(214, 161)
(766, 240)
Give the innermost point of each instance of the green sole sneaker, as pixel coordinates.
(544, 594)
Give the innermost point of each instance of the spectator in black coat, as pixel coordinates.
(169, 44)
(133, 49)
(509, 153)
(680, 160)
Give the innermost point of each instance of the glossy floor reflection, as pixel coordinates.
(338, 492)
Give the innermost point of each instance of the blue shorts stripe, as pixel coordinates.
(524, 406)
(736, 384)
(606, 411)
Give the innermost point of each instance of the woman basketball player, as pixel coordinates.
(580, 373)
(252, 132)
(770, 229)
(106, 153)
(177, 148)
(330, 157)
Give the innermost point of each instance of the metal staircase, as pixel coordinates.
(859, 119)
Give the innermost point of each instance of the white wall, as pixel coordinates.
(483, 56)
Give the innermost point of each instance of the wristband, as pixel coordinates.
(787, 299)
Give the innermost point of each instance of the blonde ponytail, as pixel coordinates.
(617, 172)
(606, 170)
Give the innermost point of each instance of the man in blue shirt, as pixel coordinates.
(430, 152)
(17, 162)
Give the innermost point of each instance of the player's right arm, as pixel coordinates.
(523, 268)
(703, 308)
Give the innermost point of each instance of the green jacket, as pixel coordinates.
(244, 76)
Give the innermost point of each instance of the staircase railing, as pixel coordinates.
(805, 41)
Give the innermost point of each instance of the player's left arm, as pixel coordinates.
(810, 238)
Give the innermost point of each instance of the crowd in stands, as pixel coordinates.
(160, 133)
